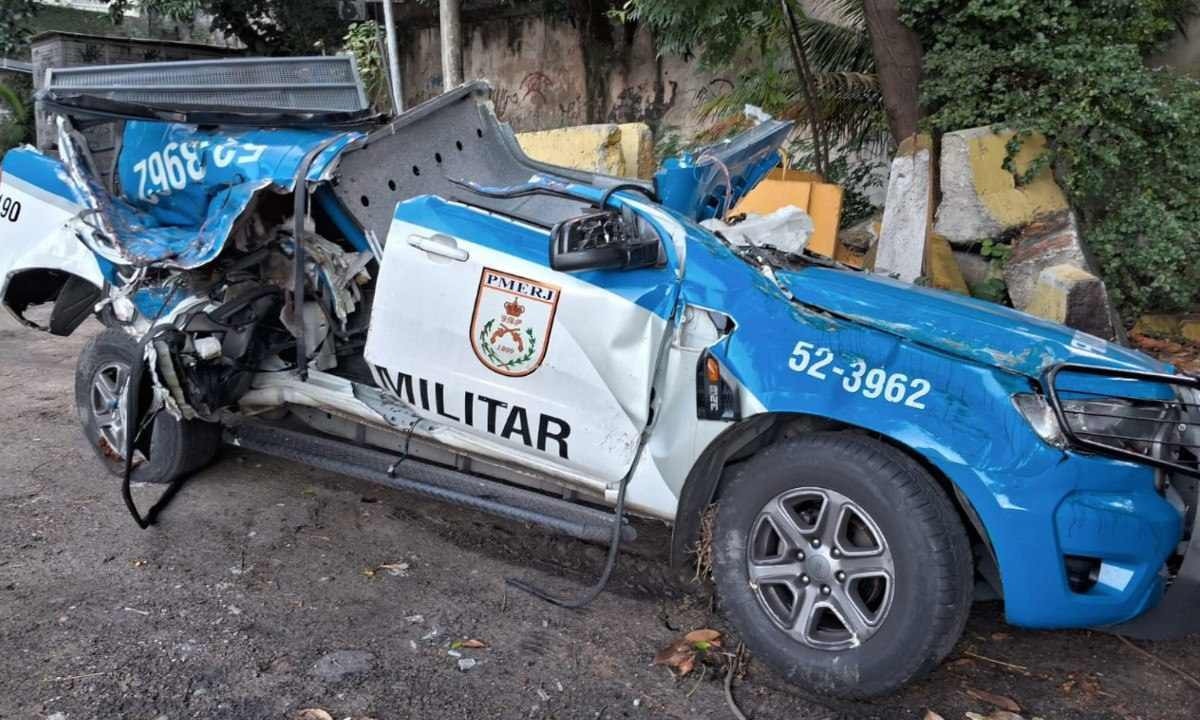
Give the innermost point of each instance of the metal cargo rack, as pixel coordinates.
(248, 86)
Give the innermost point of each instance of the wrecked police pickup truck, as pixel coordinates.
(416, 303)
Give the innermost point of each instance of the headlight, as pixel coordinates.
(1147, 417)
(1152, 429)
(1041, 418)
(1145, 428)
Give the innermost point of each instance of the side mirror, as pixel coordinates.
(603, 240)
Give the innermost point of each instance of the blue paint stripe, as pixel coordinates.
(41, 171)
(649, 288)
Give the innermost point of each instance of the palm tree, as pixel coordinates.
(840, 99)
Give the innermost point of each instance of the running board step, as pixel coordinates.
(434, 481)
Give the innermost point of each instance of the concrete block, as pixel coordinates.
(860, 236)
(622, 150)
(974, 267)
(908, 211)
(637, 150)
(980, 198)
(1169, 326)
(1074, 297)
(1159, 325)
(941, 269)
(1052, 240)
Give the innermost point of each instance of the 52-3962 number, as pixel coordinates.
(860, 379)
(10, 209)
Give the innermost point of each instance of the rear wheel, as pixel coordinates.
(165, 448)
(842, 563)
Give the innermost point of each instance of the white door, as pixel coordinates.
(473, 330)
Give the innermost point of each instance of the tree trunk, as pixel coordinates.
(897, 51)
(809, 87)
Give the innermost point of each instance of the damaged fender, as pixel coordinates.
(39, 253)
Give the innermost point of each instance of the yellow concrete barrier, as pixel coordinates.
(625, 150)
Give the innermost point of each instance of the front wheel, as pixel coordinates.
(166, 448)
(842, 564)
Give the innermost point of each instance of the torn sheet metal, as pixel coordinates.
(182, 190)
(709, 182)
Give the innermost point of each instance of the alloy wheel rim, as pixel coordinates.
(109, 407)
(821, 568)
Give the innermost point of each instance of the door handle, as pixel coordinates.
(440, 245)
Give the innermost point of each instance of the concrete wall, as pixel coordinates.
(552, 70)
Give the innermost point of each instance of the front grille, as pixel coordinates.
(1152, 418)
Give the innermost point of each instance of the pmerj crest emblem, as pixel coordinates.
(511, 325)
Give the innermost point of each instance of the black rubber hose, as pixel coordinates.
(607, 196)
(614, 548)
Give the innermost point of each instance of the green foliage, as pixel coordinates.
(267, 27)
(15, 17)
(362, 41)
(19, 129)
(1124, 137)
(997, 252)
(857, 179)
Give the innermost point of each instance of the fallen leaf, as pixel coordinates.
(931, 715)
(673, 654)
(682, 654)
(961, 664)
(703, 635)
(400, 569)
(1000, 701)
(369, 572)
(313, 714)
(1001, 637)
(995, 715)
(474, 644)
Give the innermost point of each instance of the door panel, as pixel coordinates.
(472, 328)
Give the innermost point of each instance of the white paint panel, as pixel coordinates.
(595, 375)
(40, 238)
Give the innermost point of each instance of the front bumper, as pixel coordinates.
(1176, 615)
(1062, 508)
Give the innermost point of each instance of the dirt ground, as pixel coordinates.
(262, 593)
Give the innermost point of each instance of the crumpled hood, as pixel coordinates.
(979, 331)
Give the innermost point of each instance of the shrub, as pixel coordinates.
(1124, 137)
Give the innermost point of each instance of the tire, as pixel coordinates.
(170, 448)
(902, 552)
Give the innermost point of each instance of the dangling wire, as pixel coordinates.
(132, 403)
